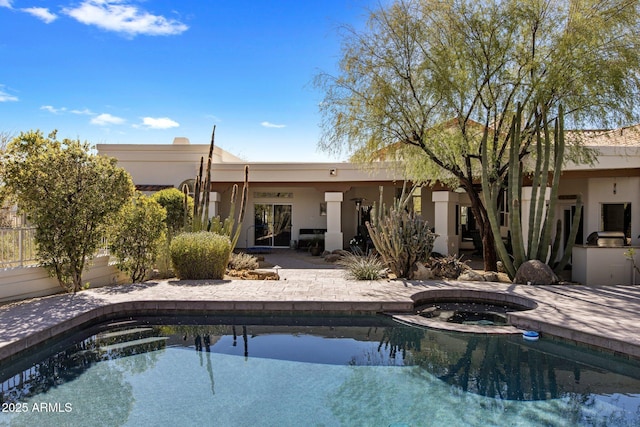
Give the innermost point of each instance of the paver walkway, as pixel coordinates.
(606, 317)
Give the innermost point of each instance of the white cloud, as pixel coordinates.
(105, 119)
(4, 96)
(159, 123)
(41, 13)
(53, 110)
(84, 112)
(118, 16)
(5, 3)
(271, 125)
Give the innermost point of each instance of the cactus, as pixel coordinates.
(400, 237)
(230, 226)
(541, 223)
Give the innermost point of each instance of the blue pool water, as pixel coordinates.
(318, 372)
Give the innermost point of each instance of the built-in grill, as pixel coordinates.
(606, 238)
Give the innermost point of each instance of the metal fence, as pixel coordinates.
(17, 247)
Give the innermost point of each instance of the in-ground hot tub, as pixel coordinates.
(466, 310)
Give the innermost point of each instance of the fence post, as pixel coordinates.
(21, 246)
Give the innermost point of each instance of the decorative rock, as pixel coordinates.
(471, 276)
(491, 276)
(332, 257)
(420, 272)
(253, 275)
(535, 272)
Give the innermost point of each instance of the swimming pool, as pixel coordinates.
(361, 371)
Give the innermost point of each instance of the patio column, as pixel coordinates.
(333, 236)
(525, 206)
(214, 204)
(447, 242)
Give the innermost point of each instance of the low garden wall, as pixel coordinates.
(28, 282)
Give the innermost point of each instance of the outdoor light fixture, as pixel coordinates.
(333, 172)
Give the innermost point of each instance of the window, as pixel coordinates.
(616, 217)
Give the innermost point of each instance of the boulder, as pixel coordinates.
(420, 272)
(471, 276)
(491, 276)
(332, 257)
(535, 272)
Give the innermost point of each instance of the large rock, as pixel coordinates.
(535, 272)
(332, 257)
(471, 276)
(491, 276)
(420, 272)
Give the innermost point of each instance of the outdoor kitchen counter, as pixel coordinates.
(605, 265)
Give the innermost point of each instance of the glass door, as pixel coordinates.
(272, 224)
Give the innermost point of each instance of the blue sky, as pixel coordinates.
(146, 71)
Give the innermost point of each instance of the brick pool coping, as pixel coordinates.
(605, 317)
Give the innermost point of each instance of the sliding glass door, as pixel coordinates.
(272, 224)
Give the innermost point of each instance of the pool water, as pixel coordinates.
(319, 372)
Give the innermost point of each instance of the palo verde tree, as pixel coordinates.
(425, 79)
(68, 194)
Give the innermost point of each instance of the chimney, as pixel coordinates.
(180, 140)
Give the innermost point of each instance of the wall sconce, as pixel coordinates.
(615, 188)
(333, 171)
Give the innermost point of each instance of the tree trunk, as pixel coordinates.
(488, 243)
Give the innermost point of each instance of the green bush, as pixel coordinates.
(243, 261)
(172, 199)
(200, 255)
(69, 194)
(136, 236)
(362, 267)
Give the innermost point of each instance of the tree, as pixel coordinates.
(137, 234)
(172, 199)
(426, 78)
(68, 194)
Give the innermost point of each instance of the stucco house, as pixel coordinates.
(288, 202)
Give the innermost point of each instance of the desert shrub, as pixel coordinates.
(449, 267)
(243, 261)
(200, 255)
(69, 194)
(137, 235)
(362, 267)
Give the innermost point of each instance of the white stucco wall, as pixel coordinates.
(601, 190)
(30, 282)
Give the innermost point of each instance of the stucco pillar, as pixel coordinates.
(214, 204)
(447, 242)
(333, 236)
(525, 206)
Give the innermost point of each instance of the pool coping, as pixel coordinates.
(600, 317)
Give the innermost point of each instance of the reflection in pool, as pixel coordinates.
(243, 371)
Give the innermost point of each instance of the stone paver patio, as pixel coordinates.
(604, 317)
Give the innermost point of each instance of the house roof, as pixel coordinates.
(628, 136)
